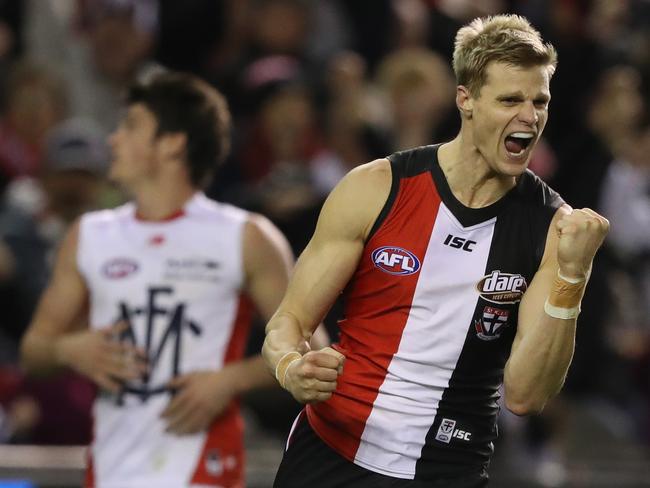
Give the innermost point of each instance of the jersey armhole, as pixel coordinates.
(240, 244)
(540, 248)
(555, 202)
(81, 257)
(394, 187)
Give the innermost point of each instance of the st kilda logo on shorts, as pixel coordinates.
(498, 287)
(395, 260)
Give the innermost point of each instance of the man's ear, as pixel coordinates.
(464, 101)
(172, 145)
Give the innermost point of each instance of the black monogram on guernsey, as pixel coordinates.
(177, 325)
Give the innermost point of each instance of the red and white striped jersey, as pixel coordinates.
(177, 284)
(429, 319)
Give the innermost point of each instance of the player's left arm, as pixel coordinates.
(203, 395)
(543, 346)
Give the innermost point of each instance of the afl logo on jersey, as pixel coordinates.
(499, 287)
(395, 260)
(119, 268)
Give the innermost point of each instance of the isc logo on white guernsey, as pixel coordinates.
(395, 260)
(498, 287)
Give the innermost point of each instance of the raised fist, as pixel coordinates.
(581, 233)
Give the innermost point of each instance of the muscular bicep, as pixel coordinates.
(332, 255)
(321, 273)
(64, 300)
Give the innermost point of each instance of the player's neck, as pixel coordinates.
(470, 178)
(160, 202)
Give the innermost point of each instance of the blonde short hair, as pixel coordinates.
(507, 39)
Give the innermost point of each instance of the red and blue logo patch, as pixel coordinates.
(119, 268)
(395, 260)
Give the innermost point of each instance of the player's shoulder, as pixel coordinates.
(362, 187)
(539, 206)
(353, 205)
(363, 182)
(414, 161)
(94, 225)
(536, 198)
(260, 232)
(535, 192)
(107, 216)
(204, 208)
(377, 169)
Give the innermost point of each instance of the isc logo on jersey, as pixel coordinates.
(395, 260)
(448, 430)
(498, 287)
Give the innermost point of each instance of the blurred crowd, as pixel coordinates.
(316, 88)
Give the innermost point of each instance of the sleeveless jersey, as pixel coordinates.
(176, 283)
(429, 319)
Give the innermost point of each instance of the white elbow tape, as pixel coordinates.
(561, 312)
(283, 366)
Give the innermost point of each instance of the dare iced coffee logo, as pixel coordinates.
(499, 287)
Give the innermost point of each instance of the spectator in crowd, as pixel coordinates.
(35, 102)
(419, 87)
(35, 216)
(626, 201)
(98, 47)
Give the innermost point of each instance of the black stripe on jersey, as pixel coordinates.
(470, 401)
(404, 164)
(533, 192)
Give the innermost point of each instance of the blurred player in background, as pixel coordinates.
(151, 300)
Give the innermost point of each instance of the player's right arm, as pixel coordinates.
(320, 275)
(52, 340)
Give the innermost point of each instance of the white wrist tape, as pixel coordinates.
(561, 312)
(573, 281)
(283, 364)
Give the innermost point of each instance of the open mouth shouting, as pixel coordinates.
(517, 144)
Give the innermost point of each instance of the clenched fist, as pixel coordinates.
(313, 377)
(581, 233)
